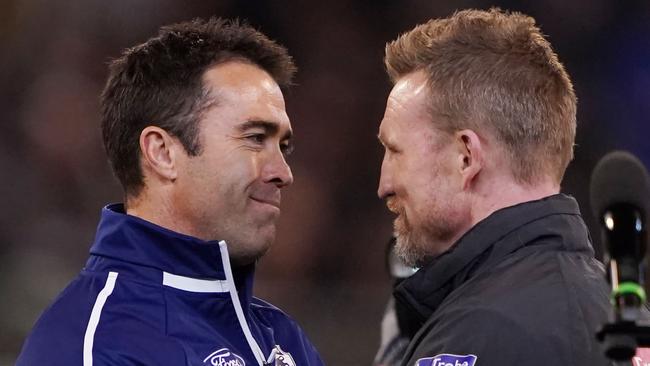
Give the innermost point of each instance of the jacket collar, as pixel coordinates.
(484, 245)
(131, 239)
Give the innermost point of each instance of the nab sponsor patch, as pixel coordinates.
(447, 359)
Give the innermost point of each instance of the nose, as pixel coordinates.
(277, 171)
(385, 188)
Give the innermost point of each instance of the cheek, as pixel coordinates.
(430, 189)
(210, 181)
(234, 169)
(422, 180)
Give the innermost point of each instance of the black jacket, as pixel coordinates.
(522, 287)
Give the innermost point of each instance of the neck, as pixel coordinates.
(160, 211)
(502, 194)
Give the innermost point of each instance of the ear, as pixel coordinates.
(158, 150)
(471, 155)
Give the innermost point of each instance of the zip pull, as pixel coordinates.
(279, 357)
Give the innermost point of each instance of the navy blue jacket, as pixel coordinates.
(151, 296)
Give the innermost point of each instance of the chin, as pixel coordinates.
(414, 247)
(249, 251)
(240, 259)
(407, 251)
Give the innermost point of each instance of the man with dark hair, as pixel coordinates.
(195, 128)
(478, 131)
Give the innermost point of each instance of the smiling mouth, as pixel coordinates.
(275, 204)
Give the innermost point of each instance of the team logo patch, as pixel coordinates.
(280, 357)
(224, 357)
(447, 359)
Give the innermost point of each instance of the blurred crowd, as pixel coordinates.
(327, 266)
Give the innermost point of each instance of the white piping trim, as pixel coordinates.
(257, 351)
(194, 284)
(89, 337)
(271, 358)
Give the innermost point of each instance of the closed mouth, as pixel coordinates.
(275, 204)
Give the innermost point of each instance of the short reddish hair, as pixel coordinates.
(495, 72)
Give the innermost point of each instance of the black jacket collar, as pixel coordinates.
(483, 246)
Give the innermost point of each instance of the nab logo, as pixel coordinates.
(447, 359)
(224, 357)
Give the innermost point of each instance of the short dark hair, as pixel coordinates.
(494, 71)
(159, 83)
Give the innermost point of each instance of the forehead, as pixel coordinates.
(407, 105)
(243, 91)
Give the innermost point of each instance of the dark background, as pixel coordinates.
(326, 268)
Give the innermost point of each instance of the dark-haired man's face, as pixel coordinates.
(231, 190)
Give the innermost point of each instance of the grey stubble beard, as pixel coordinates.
(410, 250)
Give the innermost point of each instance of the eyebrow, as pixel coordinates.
(270, 128)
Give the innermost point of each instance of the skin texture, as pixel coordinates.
(232, 189)
(440, 184)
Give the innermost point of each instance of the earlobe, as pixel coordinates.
(157, 149)
(471, 156)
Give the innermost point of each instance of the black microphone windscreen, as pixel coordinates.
(619, 177)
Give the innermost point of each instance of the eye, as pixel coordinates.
(257, 138)
(391, 149)
(286, 148)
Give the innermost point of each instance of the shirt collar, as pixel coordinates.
(131, 239)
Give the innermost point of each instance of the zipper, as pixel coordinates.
(255, 348)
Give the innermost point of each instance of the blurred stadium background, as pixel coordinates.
(327, 267)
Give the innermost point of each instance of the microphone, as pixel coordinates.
(620, 199)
